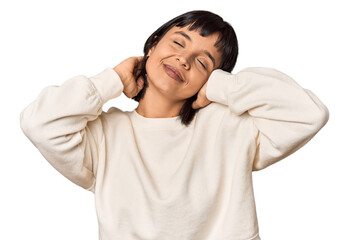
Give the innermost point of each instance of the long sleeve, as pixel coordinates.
(64, 125)
(285, 115)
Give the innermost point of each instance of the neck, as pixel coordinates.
(156, 105)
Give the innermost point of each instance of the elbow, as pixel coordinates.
(317, 120)
(321, 118)
(30, 128)
(319, 113)
(24, 124)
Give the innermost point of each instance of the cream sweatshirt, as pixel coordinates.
(154, 178)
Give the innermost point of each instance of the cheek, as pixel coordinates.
(154, 61)
(194, 86)
(154, 65)
(151, 66)
(198, 80)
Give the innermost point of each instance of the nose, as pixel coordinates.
(183, 61)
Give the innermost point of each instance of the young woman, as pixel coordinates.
(180, 165)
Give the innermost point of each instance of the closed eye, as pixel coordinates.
(203, 65)
(178, 43)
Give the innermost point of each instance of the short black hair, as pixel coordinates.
(208, 23)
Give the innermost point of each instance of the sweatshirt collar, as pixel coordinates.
(172, 123)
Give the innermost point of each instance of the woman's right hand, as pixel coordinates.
(127, 70)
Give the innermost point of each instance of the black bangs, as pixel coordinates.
(207, 23)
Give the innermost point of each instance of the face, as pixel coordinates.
(181, 62)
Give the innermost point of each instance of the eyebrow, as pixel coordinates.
(206, 52)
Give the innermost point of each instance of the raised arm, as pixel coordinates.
(285, 115)
(62, 123)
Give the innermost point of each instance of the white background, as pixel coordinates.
(303, 197)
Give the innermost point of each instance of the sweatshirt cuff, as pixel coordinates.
(219, 85)
(108, 84)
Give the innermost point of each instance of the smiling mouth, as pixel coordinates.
(172, 72)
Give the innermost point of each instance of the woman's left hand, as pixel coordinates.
(201, 100)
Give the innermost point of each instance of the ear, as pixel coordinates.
(153, 47)
(151, 50)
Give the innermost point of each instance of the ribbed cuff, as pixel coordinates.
(219, 85)
(108, 84)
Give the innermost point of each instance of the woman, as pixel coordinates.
(180, 165)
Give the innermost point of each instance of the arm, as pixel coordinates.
(63, 123)
(285, 115)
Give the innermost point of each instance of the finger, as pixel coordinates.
(140, 84)
(140, 81)
(200, 104)
(137, 65)
(194, 105)
(139, 59)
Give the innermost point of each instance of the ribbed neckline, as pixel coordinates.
(171, 123)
